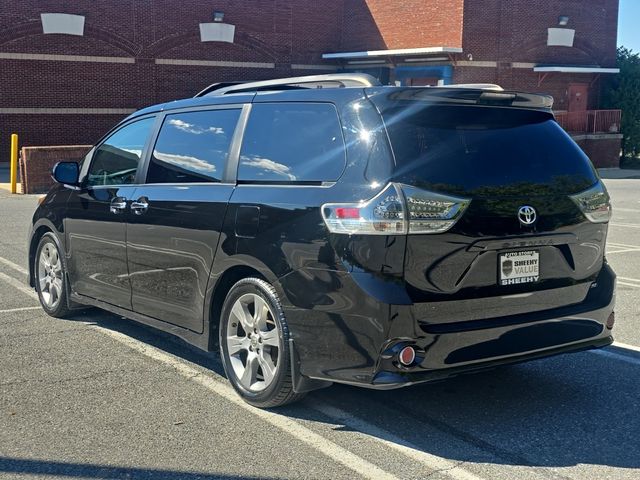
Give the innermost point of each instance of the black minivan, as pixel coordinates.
(329, 229)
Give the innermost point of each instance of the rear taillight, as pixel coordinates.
(594, 203)
(384, 214)
(398, 209)
(432, 212)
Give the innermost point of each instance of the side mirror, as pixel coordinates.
(66, 173)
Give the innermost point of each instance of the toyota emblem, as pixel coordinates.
(527, 215)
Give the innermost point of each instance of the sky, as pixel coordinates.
(628, 29)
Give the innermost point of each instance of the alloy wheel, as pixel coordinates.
(253, 342)
(50, 275)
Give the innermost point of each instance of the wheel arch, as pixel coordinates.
(218, 294)
(39, 230)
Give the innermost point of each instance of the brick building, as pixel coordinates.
(70, 70)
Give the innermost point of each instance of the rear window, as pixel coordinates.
(485, 151)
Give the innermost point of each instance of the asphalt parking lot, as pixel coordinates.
(100, 397)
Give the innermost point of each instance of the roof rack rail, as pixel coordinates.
(479, 86)
(215, 86)
(332, 80)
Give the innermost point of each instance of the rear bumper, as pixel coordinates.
(388, 380)
(358, 342)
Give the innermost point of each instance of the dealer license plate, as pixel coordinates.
(519, 267)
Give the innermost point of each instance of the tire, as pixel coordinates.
(255, 346)
(50, 277)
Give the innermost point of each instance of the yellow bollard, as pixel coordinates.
(14, 162)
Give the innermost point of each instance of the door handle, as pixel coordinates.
(140, 206)
(118, 205)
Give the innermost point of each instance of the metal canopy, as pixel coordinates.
(388, 53)
(574, 69)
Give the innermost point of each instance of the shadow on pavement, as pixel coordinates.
(573, 409)
(86, 470)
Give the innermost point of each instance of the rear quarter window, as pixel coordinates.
(292, 142)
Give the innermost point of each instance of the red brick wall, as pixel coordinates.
(402, 24)
(280, 32)
(603, 150)
(507, 31)
(38, 130)
(36, 164)
(516, 30)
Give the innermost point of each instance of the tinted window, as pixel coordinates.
(116, 160)
(292, 142)
(485, 151)
(193, 147)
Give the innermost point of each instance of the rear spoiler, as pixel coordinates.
(465, 96)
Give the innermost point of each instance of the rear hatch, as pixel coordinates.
(525, 191)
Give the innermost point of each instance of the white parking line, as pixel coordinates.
(620, 209)
(626, 346)
(18, 285)
(288, 425)
(625, 245)
(609, 252)
(21, 309)
(219, 385)
(394, 442)
(630, 279)
(352, 461)
(629, 225)
(15, 266)
(613, 247)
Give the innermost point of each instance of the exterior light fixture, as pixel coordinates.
(218, 16)
(563, 20)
